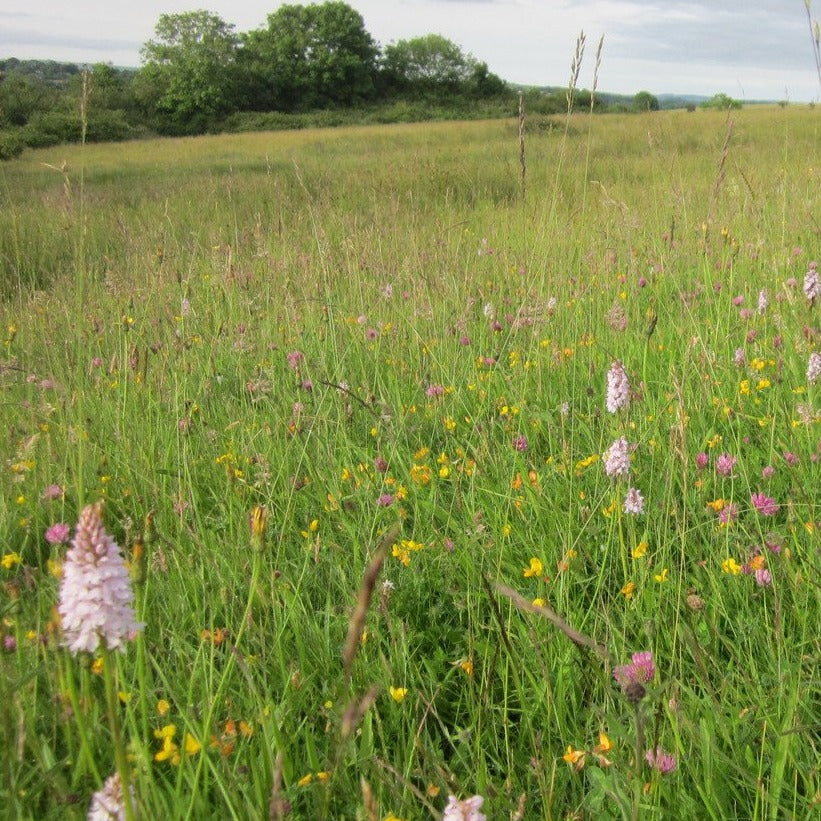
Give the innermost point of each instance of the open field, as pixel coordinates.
(338, 388)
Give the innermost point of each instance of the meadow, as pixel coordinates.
(428, 485)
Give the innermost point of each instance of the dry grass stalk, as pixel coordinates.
(278, 806)
(721, 172)
(522, 160)
(596, 72)
(363, 601)
(575, 69)
(355, 712)
(368, 801)
(545, 612)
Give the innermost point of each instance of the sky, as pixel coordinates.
(749, 49)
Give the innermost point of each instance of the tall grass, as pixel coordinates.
(372, 335)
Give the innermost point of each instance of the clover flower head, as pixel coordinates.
(466, 810)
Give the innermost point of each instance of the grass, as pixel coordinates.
(154, 297)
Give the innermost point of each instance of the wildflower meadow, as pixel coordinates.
(347, 477)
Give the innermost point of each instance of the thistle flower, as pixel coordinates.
(467, 810)
(617, 458)
(107, 803)
(635, 675)
(618, 388)
(96, 598)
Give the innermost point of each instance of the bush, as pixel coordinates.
(11, 145)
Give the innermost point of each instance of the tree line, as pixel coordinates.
(310, 64)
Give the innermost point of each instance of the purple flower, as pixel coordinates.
(466, 810)
(617, 458)
(725, 464)
(762, 301)
(520, 443)
(618, 388)
(434, 391)
(385, 500)
(96, 599)
(768, 472)
(738, 300)
(765, 505)
(380, 464)
(58, 533)
(371, 334)
(702, 460)
(740, 358)
(790, 458)
(665, 763)
(634, 502)
(9, 644)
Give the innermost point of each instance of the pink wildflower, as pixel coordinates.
(665, 763)
(702, 460)
(763, 577)
(725, 464)
(96, 599)
(640, 670)
(812, 286)
(618, 388)
(814, 367)
(520, 443)
(51, 493)
(765, 505)
(740, 358)
(634, 502)
(295, 359)
(768, 472)
(729, 513)
(107, 803)
(467, 810)
(434, 391)
(617, 458)
(762, 301)
(385, 500)
(58, 533)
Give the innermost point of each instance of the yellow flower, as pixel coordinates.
(536, 568)
(661, 577)
(575, 757)
(538, 602)
(628, 590)
(10, 559)
(305, 780)
(639, 550)
(163, 706)
(398, 693)
(192, 746)
(717, 505)
(391, 817)
(731, 566)
(604, 745)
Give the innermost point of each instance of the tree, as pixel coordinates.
(427, 63)
(721, 101)
(309, 57)
(189, 72)
(645, 101)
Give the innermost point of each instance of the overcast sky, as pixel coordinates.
(749, 49)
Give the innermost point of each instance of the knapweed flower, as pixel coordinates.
(520, 443)
(765, 505)
(635, 675)
(618, 388)
(96, 598)
(384, 500)
(661, 761)
(725, 464)
(617, 458)
(57, 533)
(108, 804)
(814, 367)
(466, 810)
(812, 286)
(634, 502)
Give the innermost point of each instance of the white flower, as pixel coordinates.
(814, 367)
(467, 810)
(634, 502)
(107, 803)
(96, 599)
